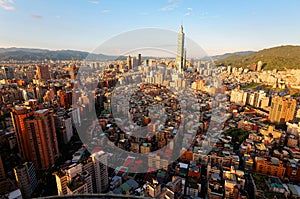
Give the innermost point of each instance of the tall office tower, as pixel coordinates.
(282, 109)
(128, 62)
(26, 178)
(101, 171)
(2, 171)
(180, 50)
(8, 72)
(134, 62)
(139, 59)
(43, 72)
(36, 136)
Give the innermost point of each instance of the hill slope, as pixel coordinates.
(21, 54)
(273, 58)
(226, 55)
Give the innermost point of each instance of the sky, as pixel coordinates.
(218, 26)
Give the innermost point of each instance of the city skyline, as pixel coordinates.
(149, 99)
(217, 27)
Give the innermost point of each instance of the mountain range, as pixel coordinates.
(280, 57)
(20, 54)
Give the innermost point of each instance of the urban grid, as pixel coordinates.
(140, 126)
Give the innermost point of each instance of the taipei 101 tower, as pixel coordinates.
(180, 59)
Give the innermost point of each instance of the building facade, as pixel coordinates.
(36, 136)
(282, 110)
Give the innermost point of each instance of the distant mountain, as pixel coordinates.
(273, 58)
(223, 56)
(21, 54)
(220, 57)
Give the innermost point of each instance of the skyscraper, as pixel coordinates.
(282, 110)
(36, 136)
(128, 62)
(134, 62)
(26, 178)
(139, 59)
(180, 51)
(101, 171)
(43, 72)
(18, 115)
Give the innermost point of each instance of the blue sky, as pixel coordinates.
(218, 26)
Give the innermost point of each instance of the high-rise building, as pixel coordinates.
(43, 72)
(128, 62)
(61, 182)
(139, 59)
(180, 51)
(8, 73)
(134, 62)
(93, 172)
(26, 178)
(36, 136)
(41, 130)
(101, 171)
(18, 115)
(73, 180)
(282, 109)
(65, 98)
(64, 129)
(74, 113)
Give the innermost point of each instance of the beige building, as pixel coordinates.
(282, 109)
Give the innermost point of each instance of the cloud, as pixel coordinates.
(169, 7)
(105, 11)
(36, 16)
(6, 4)
(94, 2)
(189, 11)
(57, 17)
